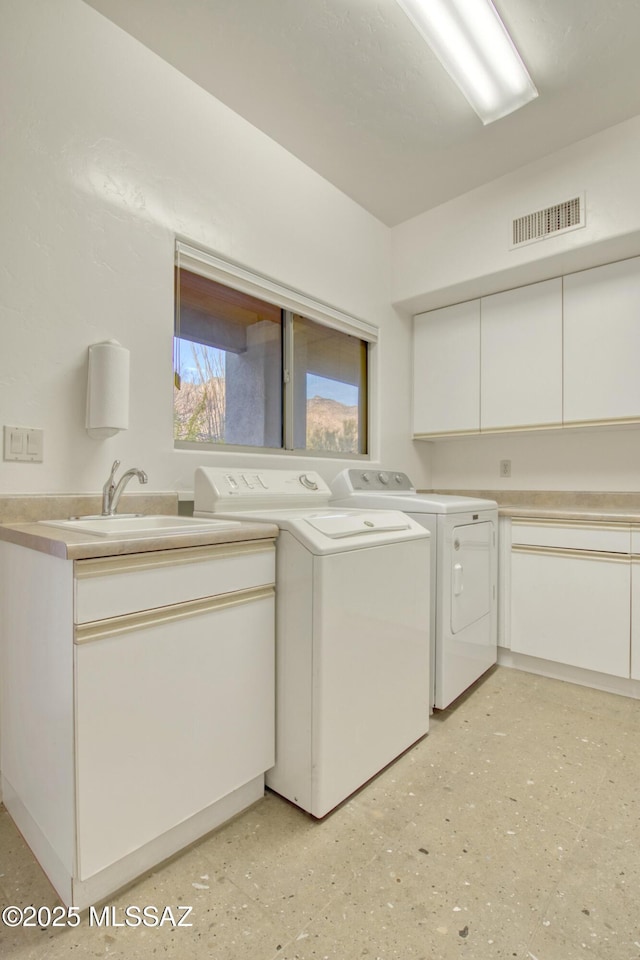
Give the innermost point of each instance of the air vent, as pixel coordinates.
(562, 217)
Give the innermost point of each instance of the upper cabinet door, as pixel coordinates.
(521, 351)
(446, 370)
(602, 343)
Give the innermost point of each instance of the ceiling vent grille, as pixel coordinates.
(560, 218)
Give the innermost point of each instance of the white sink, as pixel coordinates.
(128, 526)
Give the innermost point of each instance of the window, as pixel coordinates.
(251, 371)
(228, 349)
(330, 389)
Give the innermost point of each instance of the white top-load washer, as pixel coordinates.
(464, 622)
(352, 629)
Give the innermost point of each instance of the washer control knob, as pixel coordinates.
(398, 478)
(383, 478)
(306, 482)
(366, 478)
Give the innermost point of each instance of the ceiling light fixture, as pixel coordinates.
(473, 45)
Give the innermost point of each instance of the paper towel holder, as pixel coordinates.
(107, 389)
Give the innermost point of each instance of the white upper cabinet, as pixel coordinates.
(521, 357)
(561, 352)
(602, 343)
(446, 370)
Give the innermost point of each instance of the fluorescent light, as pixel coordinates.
(473, 45)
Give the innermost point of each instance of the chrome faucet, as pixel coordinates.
(111, 492)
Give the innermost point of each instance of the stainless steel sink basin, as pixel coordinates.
(127, 526)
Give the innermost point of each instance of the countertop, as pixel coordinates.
(69, 545)
(590, 506)
(602, 515)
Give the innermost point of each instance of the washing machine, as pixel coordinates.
(352, 629)
(463, 579)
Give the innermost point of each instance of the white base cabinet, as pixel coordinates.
(570, 594)
(128, 737)
(573, 610)
(170, 718)
(635, 603)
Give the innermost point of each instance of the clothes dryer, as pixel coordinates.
(463, 577)
(352, 629)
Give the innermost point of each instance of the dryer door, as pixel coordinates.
(470, 574)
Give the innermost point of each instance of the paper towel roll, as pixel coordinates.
(107, 389)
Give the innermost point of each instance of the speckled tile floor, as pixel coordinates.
(511, 831)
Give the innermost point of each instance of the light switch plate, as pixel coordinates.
(23, 443)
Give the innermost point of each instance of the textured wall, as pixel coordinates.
(108, 154)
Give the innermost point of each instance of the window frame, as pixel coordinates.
(290, 301)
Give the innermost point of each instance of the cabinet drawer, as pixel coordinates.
(109, 587)
(572, 535)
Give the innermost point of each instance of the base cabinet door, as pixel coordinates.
(171, 715)
(635, 603)
(571, 609)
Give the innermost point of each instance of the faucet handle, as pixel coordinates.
(108, 490)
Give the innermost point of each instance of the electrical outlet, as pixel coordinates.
(505, 468)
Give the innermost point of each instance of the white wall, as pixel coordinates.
(108, 154)
(460, 250)
(607, 458)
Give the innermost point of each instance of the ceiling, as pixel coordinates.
(350, 88)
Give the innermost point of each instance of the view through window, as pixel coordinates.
(250, 373)
(329, 382)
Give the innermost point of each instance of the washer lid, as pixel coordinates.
(335, 529)
(360, 524)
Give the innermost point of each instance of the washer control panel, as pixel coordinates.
(216, 486)
(256, 483)
(386, 481)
